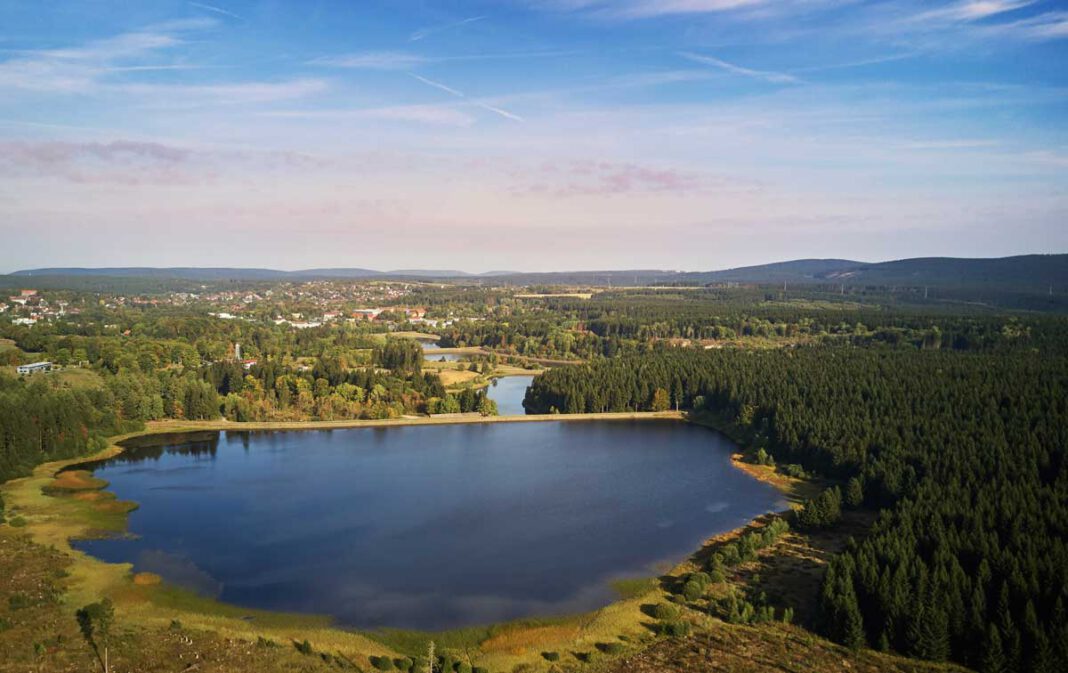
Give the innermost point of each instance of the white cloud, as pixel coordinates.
(971, 10)
(373, 60)
(766, 75)
(1046, 26)
(235, 93)
(640, 9)
(459, 94)
(214, 9)
(424, 33)
(435, 115)
(92, 67)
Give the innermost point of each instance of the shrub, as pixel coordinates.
(730, 554)
(611, 648)
(692, 590)
(551, 656)
(717, 576)
(17, 522)
(403, 663)
(665, 612)
(304, 647)
(463, 667)
(677, 629)
(793, 470)
(382, 663)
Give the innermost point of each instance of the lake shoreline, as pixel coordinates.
(58, 520)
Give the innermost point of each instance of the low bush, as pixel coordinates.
(693, 590)
(551, 656)
(382, 663)
(611, 648)
(665, 612)
(793, 470)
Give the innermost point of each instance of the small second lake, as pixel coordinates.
(508, 392)
(426, 526)
(430, 349)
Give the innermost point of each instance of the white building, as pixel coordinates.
(34, 367)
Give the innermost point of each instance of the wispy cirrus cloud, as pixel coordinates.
(406, 60)
(214, 9)
(970, 10)
(424, 33)
(373, 60)
(585, 177)
(96, 67)
(948, 25)
(639, 9)
(473, 101)
(734, 69)
(77, 69)
(230, 93)
(1041, 27)
(435, 115)
(138, 162)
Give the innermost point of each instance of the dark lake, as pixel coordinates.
(426, 527)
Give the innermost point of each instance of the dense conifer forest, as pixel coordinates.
(963, 454)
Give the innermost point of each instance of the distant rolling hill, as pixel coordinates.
(795, 271)
(199, 273)
(1024, 273)
(1021, 272)
(1032, 273)
(630, 277)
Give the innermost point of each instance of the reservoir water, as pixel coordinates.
(426, 527)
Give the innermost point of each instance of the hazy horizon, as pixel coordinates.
(482, 272)
(534, 135)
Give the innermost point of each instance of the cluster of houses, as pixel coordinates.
(415, 315)
(334, 300)
(28, 307)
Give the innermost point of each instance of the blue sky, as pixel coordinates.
(530, 134)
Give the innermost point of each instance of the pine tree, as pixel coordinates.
(993, 660)
(854, 495)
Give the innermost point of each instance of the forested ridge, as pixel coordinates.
(963, 453)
